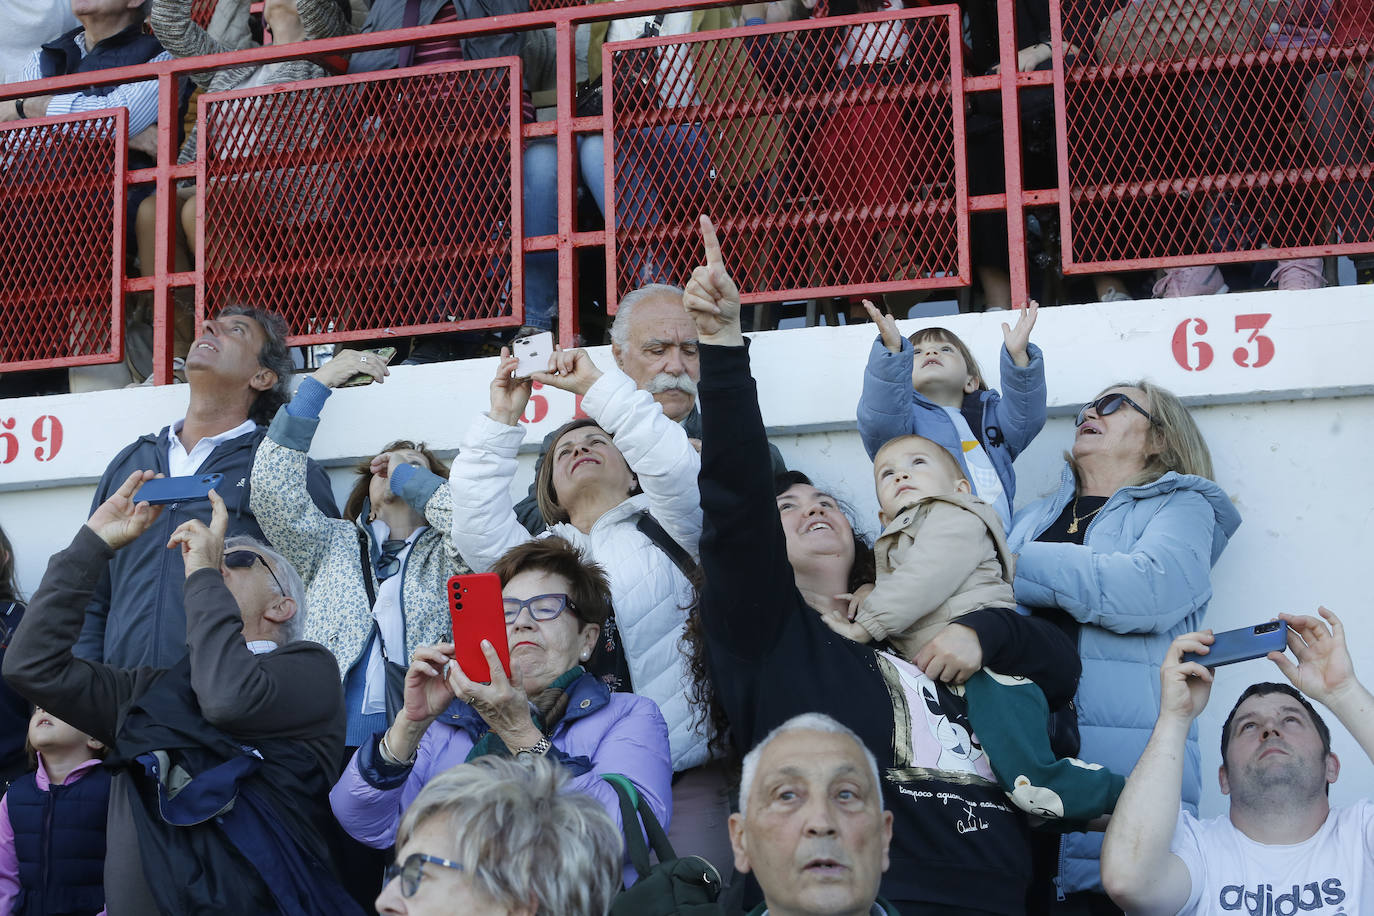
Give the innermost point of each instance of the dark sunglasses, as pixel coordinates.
(242, 559)
(541, 607)
(412, 871)
(1109, 404)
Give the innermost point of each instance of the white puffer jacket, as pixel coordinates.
(651, 596)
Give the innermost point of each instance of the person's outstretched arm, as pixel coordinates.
(743, 551)
(1139, 871)
(39, 663)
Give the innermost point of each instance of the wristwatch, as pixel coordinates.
(540, 748)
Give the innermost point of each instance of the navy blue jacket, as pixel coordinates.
(136, 618)
(59, 839)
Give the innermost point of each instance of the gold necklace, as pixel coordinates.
(1073, 525)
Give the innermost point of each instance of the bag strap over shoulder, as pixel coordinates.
(648, 526)
(634, 810)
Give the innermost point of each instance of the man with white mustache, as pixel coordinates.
(1282, 848)
(654, 343)
(811, 825)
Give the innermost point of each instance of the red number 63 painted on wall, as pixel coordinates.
(1195, 354)
(46, 432)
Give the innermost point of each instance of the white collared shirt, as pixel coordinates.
(181, 463)
(261, 646)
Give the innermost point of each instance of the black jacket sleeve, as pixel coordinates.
(1014, 644)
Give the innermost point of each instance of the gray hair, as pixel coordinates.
(620, 328)
(522, 836)
(286, 574)
(806, 722)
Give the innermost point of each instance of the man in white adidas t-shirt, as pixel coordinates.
(1282, 849)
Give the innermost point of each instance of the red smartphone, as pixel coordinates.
(474, 605)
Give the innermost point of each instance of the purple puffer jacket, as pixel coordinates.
(601, 732)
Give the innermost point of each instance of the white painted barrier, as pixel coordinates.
(1282, 386)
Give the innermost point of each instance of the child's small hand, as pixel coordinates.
(847, 629)
(887, 327)
(856, 598)
(1017, 338)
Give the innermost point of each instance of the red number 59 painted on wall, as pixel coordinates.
(46, 432)
(1195, 354)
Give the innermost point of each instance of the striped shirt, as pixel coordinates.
(139, 98)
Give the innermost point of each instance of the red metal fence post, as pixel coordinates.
(1011, 153)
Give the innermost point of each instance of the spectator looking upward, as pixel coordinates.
(811, 825)
(1281, 848)
(555, 603)
(252, 713)
(622, 486)
(52, 843)
(778, 554)
(1120, 558)
(239, 371)
(180, 35)
(930, 385)
(498, 837)
(655, 344)
(399, 512)
(942, 555)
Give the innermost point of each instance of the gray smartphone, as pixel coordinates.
(162, 491)
(1241, 645)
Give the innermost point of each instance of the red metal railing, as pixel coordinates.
(831, 152)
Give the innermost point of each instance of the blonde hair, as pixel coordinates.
(1177, 442)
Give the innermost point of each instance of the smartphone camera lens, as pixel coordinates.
(1269, 627)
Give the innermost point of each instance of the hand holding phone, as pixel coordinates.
(1243, 644)
(162, 491)
(382, 355)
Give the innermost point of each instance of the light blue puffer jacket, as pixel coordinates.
(1141, 577)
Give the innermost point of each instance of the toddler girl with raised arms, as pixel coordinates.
(930, 385)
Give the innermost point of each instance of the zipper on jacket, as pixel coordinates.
(1059, 894)
(159, 604)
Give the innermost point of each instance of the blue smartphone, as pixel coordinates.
(161, 491)
(1244, 644)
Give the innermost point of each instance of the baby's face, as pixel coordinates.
(909, 469)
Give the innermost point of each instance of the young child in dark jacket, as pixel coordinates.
(52, 826)
(942, 554)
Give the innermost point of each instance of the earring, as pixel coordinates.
(586, 655)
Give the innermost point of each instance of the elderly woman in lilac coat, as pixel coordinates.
(555, 603)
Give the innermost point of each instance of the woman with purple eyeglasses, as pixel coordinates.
(555, 603)
(1120, 557)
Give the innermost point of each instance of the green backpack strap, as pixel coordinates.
(634, 810)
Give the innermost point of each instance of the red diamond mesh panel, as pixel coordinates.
(1210, 130)
(354, 204)
(202, 11)
(825, 153)
(62, 218)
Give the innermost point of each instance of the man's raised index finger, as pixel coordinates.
(710, 242)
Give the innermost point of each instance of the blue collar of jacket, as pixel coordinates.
(130, 45)
(1228, 518)
(586, 696)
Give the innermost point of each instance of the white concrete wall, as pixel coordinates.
(1290, 439)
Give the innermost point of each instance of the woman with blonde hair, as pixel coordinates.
(1120, 557)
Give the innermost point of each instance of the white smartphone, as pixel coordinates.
(533, 352)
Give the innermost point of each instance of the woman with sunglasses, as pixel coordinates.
(555, 603)
(1120, 558)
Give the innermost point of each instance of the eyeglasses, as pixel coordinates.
(1109, 404)
(412, 871)
(541, 607)
(242, 559)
